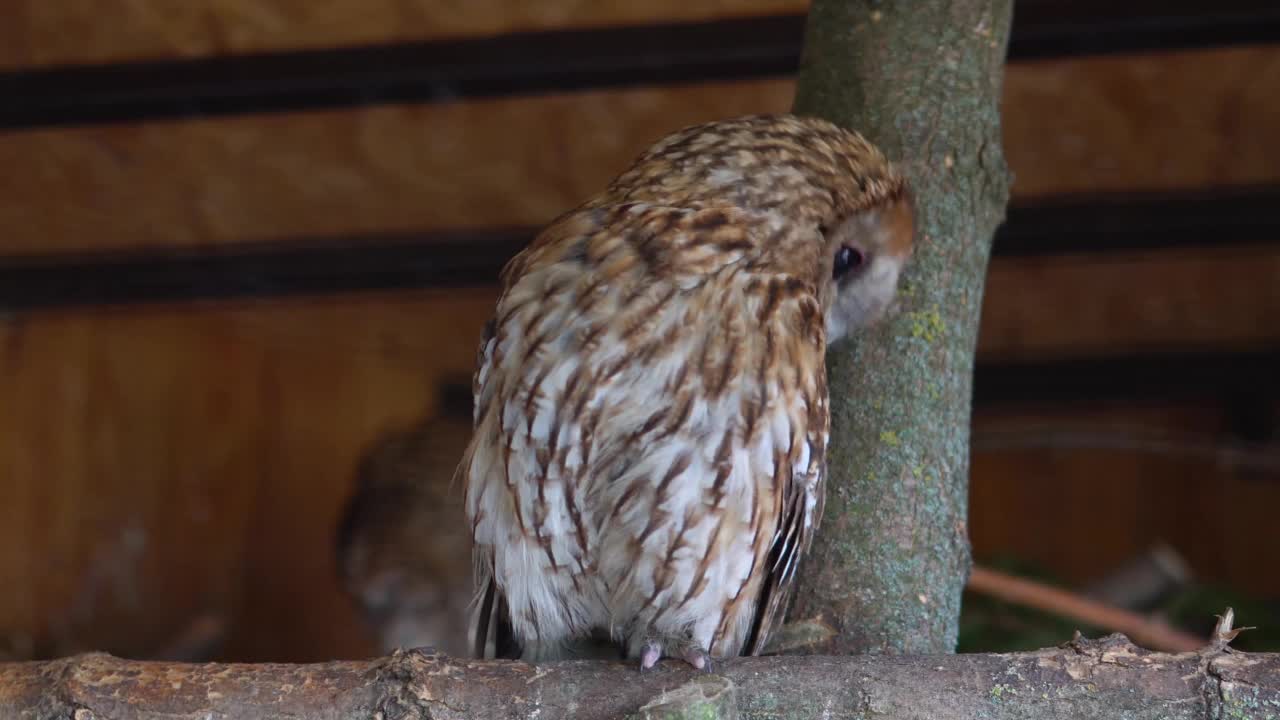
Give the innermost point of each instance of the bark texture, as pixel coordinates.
(1107, 678)
(922, 80)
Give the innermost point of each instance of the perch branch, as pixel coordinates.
(1081, 679)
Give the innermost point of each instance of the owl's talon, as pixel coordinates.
(659, 646)
(699, 659)
(650, 655)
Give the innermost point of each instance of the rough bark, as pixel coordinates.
(922, 80)
(1086, 679)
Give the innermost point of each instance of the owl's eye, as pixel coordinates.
(848, 259)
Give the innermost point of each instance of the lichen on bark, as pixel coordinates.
(922, 80)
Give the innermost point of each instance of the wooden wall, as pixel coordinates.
(1178, 121)
(159, 462)
(164, 463)
(43, 34)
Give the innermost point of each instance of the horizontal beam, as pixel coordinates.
(409, 261)
(1243, 380)
(560, 61)
(1247, 384)
(1066, 28)
(261, 270)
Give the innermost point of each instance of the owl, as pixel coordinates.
(403, 545)
(651, 413)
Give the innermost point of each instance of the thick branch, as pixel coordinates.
(1085, 679)
(922, 80)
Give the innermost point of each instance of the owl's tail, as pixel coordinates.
(495, 614)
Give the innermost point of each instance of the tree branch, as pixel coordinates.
(1084, 679)
(922, 80)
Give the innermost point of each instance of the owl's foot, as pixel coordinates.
(650, 655)
(656, 648)
(699, 658)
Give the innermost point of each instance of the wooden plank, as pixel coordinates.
(1093, 306)
(560, 60)
(1160, 121)
(522, 65)
(381, 169)
(40, 33)
(150, 32)
(1115, 124)
(1114, 231)
(1036, 308)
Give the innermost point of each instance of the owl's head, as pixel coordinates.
(865, 253)
(842, 215)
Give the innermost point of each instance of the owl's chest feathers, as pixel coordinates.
(610, 366)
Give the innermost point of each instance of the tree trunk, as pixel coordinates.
(922, 80)
(1100, 679)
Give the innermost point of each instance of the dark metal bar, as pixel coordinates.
(1209, 376)
(1065, 28)
(297, 267)
(1128, 222)
(524, 63)
(1158, 377)
(389, 262)
(560, 61)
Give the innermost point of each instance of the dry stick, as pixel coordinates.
(1144, 631)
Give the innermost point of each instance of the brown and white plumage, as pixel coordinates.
(651, 411)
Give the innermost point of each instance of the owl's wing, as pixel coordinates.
(802, 494)
(553, 247)
(624, 301)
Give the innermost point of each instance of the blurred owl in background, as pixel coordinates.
(651, 413)
(403, 547)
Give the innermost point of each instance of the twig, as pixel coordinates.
(1144, 631)
(1222, 632)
